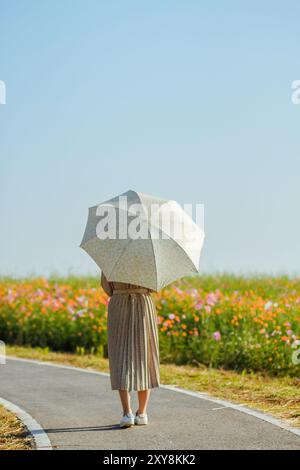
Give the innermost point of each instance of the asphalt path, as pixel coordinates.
(78, 410)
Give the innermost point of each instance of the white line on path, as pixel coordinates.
(41, 439)
(204, 396)
(224, 407)
(243, 409)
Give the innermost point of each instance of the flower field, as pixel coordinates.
(221, 321)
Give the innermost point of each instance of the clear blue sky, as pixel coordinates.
(188, 100)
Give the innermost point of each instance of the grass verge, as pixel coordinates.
(278, 396)
(13, 435)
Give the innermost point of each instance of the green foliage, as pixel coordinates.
(240, 323)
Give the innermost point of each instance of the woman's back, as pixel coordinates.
(110, 287)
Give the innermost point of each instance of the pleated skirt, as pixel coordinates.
(133, 345)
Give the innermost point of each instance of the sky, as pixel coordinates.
(187, 100)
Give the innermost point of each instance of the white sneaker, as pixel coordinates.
(127, 420)
(141, 419)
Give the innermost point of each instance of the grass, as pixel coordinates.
(13, 435)
(279, 396)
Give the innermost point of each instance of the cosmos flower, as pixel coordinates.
(217, 335)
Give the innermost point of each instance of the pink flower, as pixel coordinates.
(171, 316)
(10, 296)
(198, 306)
(194, 292)
(217, 335)
(207, 308)
(179, 291)
(82, 300)
(211, 298)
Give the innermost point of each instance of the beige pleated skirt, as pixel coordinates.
(133, 346)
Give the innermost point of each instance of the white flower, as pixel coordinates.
(268, 305)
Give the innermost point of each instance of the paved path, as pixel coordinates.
(78, 410)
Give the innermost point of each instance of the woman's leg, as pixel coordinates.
(125, 399)
(143, 398)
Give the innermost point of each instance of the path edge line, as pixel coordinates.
(244, 409)
(40, 437)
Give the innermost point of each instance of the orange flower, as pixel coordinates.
(285, 338)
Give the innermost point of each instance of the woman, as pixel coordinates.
(133, 347)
